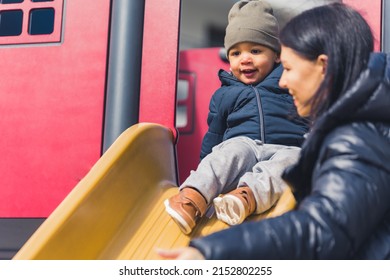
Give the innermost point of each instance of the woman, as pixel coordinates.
(342, 179)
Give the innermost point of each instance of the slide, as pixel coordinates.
(116, 211)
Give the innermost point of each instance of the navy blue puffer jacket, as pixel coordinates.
(264, 112)
(341, 182)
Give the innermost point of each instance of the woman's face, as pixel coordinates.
(301, 77)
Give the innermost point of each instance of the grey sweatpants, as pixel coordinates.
(242, 161)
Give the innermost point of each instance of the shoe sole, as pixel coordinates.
(183, 225)
(229, 209)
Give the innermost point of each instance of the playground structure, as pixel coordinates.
(102, 177)
(117, 211)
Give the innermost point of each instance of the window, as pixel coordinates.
(41, 21)
(11, 22)
(10, 1)
(182, 96)
(185, 102)
(30, 21)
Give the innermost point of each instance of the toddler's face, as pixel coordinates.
(250, 62)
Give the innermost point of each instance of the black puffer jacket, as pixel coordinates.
(342, 184)
(265, 112)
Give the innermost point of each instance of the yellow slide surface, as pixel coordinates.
(117, 211)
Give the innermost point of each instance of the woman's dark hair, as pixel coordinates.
(342, 34)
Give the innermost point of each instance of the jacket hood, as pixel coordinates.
(377, 103)
(367, 100)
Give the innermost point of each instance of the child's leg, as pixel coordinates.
(264, 182)
(221, 170)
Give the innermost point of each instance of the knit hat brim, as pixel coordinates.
(252, 21)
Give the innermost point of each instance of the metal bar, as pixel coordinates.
(385, 26)
(124, 68)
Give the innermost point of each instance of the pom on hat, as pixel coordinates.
(252, 21)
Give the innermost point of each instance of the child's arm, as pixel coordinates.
(216, 121)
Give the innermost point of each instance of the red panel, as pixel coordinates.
(372, 12)
(51, 99)
(159, 62)
(204, 65)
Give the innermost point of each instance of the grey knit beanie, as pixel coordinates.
(252, 21)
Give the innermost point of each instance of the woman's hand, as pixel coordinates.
(185, 253)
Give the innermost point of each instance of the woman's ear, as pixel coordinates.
(322, 60)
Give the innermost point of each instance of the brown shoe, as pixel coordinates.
(234, 207)
(186, 208)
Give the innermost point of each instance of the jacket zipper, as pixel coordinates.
(261, 115)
